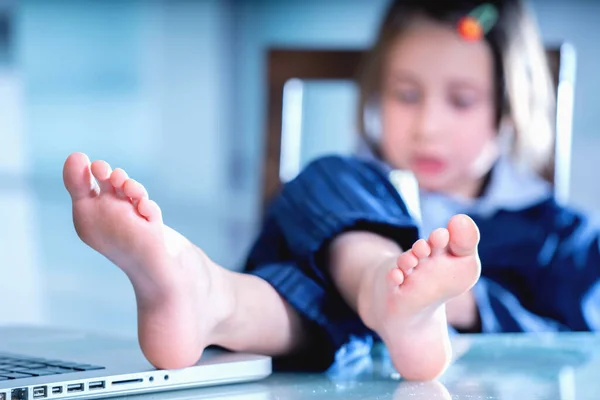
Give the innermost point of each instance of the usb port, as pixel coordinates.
(75, 387)
(19, 394)
(40, 392)
(57, 390)
(96, 385)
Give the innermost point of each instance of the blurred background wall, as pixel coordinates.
(174, 92)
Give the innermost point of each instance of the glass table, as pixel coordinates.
(564, 366)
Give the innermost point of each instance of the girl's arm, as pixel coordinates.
(490, 308)
(542, 267)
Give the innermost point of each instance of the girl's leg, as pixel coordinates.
(185, 301)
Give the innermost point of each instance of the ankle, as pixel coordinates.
(228, 317)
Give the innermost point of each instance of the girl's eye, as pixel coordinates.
(407, 96)
(462, 102)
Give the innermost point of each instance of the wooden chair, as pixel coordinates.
(329, 64)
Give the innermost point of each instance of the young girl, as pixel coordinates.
(338, 262)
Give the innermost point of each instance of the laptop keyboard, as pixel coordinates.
(18, 367)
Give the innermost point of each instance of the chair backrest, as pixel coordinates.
(343, 64)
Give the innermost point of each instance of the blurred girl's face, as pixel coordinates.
(438, 110)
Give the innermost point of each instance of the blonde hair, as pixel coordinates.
(525, 93)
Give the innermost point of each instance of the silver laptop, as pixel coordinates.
(43, 363)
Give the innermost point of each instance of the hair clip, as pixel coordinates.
(478, 22)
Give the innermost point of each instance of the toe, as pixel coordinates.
(407, 261)
(134, 190)
(77, 176)
(395, 277)
(118, 178)
(464, 235)
(101, 171)
(438, 239)
(149, 210)
(421, 249)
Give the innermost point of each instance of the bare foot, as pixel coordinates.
(404, 300)
(182, 296)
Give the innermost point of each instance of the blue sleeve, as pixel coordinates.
(568, 283)
(327, 320)
(334, 194)
(542, 267)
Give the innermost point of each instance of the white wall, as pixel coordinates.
(577, 23)
(140, 84)
(19, 247)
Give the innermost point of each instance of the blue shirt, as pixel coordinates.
(540, 261)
